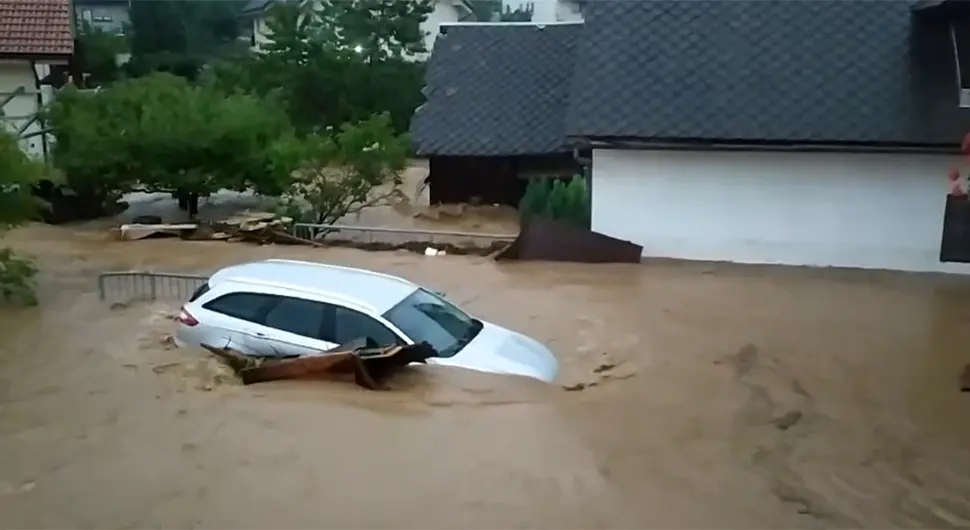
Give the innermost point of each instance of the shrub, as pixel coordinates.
(343, 172)
(557, 199)
(18, 173)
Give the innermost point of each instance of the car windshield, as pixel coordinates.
(426, 317)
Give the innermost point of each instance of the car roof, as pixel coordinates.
(378, 291)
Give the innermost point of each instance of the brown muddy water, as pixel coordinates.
(724, 396)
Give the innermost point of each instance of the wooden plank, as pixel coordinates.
(260, 369)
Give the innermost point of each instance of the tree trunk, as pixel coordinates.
(193, 205)
(188, 202)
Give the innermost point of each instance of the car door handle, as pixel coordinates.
(260, 334)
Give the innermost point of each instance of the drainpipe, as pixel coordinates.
(583, 161)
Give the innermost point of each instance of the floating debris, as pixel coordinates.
(370, 365)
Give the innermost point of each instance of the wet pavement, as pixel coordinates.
(715, 396)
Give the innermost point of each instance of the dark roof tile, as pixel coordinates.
(835, 71)
(496, 90)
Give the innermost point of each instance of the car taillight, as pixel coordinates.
(186, 319)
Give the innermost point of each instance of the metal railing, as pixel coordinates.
(373, 234)
(130, 286)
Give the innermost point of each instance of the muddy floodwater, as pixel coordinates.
(715, 396)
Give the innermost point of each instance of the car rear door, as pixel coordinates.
(294, 326)
(265, 324)
(231, 321)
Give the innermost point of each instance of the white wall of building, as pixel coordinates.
(445, 12)
(880, 211)
(15, 74)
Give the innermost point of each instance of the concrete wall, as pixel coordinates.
(880, 211)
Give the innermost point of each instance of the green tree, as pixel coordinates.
(344, 171)
(98, 52)
(160, 133)
(338, 61)
(179, 36)
(517, 15)
(18, 175)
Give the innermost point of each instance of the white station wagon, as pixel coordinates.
(298, 308)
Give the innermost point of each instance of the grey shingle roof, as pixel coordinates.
(497, 90)
(844, 72)
(815, 71)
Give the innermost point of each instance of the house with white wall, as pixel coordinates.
(753, 131)
(445, 11)
(109, 16)
(34, 36)
(546, 11)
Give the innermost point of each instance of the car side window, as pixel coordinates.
(244, 306)
(350, 325)
(295, 315)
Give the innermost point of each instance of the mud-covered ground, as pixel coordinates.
(723, 396)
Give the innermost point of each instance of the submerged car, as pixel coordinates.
(292, 308)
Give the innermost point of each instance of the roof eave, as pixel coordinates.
(492, 154)
(701, 144)
(43, 56)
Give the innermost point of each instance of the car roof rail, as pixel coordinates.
(341, 267)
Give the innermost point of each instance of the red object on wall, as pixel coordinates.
(956, 188)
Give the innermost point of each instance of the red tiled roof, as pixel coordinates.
(36, 27)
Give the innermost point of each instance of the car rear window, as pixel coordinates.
(204, 288)
(246, 306)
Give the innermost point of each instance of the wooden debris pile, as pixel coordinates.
(371, 366)
(255, 227)
(260, 227)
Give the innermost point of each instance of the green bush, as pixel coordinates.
(557, 199)
(18, 173)
(17, 275)
(536, 196)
